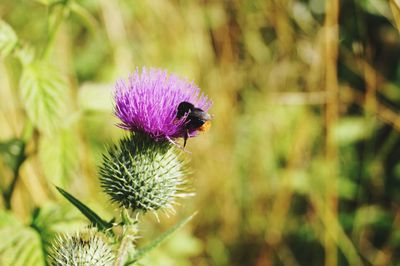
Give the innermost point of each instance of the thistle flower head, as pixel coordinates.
(143, 174)
(88, 247)
(148, 103)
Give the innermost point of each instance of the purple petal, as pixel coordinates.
(149, 101)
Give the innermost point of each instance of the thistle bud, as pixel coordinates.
(88, 247)
(142, 174)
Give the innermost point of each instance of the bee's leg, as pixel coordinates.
(185, 137)
(175, 143)
(178, 145)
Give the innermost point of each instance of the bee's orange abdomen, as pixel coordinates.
(206, 126)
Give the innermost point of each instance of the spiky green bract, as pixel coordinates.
(86, 248)
(142, 174)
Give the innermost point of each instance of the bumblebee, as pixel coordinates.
(196, 119)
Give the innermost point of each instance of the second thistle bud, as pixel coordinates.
(88, 247)
(142, 174)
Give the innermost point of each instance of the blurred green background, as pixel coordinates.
(301, 166)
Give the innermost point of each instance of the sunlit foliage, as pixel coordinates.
(301, 165)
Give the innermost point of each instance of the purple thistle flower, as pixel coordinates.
(148, 103)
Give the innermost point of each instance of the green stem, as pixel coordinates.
(130, 231)
(20, 158)
(126, 243)
(7, 194)
(56, 14)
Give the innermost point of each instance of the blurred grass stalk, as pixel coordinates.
(332, 115)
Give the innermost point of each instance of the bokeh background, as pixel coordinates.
(301, 166)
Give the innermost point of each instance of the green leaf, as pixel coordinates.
(20, 245)
(95, 97)
(58, 155)
(25, 54)
(347, 188)
(91, 215)
(52, 219)
(13, 153)
(350, 129)
(8, 39)
(158, 241)
(395, 8)
(43, 93)
(376, 7)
